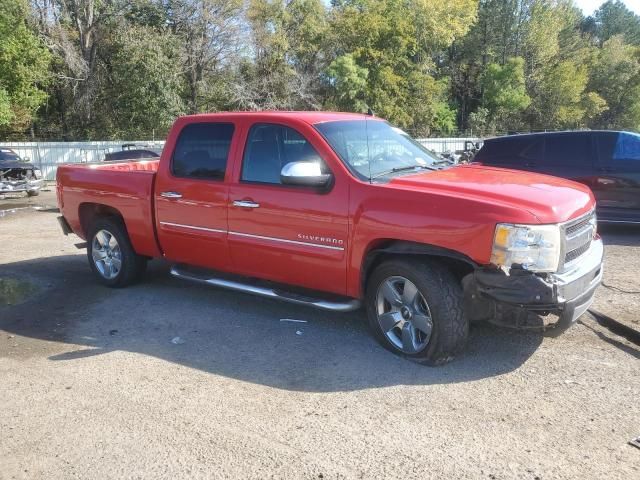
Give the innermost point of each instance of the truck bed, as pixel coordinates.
(126, 187)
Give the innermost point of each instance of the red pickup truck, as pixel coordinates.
(337, 211)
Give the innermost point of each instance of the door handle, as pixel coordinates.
(245, 204)
(171, 195)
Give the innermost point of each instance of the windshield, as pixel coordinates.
(374, 149)
(7, 155)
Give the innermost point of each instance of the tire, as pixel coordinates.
(33, 193)
(434, 313)
(111, 255)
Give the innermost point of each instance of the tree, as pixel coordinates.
(75, 31)
(505, 95)
(349, 83)
(24, 67)
(144, 83)
(616, 78)
(288, 56)
(396, 42)
(614, 18)
(211, 32)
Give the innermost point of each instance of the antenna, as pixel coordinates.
(370, 112)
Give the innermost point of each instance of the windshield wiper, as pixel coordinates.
(400, 169)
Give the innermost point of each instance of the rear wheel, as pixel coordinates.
(33, 193)
(111, 256)
(415, 310)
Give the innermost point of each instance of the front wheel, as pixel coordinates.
(415, 310)
(33, 193)
(111, 255)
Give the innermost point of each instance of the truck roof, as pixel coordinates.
(309, 117)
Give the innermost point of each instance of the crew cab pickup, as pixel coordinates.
(339, 211)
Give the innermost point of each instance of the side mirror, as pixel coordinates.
(308, 174)
(26, 159)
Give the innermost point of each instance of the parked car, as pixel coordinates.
(132, 151)
(18, 174)
(336, 211)
(608, 162)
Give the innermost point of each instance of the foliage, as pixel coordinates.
(616, 78)
(125, 68)
(24, 67)
(613, 18)
(145, 82)
(505, 94)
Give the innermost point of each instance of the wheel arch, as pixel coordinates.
(385, 249)
(89, 211)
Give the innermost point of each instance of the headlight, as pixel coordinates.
(533, 247)
(37, 173)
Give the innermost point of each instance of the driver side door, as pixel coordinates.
(289, 234)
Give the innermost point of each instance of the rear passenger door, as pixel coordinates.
(191, 196)
(289, 234)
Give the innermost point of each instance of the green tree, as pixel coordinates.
(349, 84)
(505, 95)
(614, 18)
(288, 54)
(395, 42)
(563, 101)
(615, 77)
(145, 82)
(24, 67)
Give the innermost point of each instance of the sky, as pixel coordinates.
(589, 6)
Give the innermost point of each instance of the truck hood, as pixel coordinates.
(549, 199)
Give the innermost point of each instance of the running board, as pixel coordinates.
(347, 305)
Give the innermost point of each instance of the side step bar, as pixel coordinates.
(347, 305)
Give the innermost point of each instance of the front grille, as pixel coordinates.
(576, 227)
(578, 235)
(574, 254)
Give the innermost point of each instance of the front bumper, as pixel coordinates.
(17, 186)
(568, 294)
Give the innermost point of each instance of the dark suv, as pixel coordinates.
(607, 161)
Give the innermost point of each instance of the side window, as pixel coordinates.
(627, 148)
(511, 151)
(269, 148)
(202, 150)
(568, 150)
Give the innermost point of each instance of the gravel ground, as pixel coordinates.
(92, 386)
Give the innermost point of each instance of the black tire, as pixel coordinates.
(132, 265)
(442, 293)
(33, 193)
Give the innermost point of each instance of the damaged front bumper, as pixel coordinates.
(567, 294)
(18, 186)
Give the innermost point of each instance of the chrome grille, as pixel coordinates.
(580, 225)
(574, 254)
(578, 235)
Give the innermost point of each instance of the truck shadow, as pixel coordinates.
(227, 333)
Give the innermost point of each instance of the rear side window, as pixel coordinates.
(202, 151)
(511, 151)
(627, 148)
(568, 150)
(269, 148)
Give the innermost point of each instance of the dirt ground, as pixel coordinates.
(172, 380)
